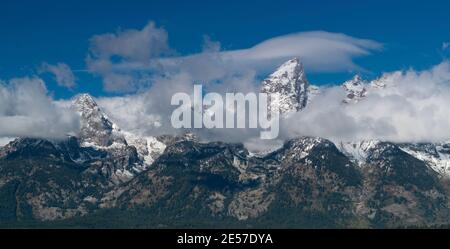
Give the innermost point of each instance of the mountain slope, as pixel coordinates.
(306, 183)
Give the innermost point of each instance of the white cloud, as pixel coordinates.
(107, 51)
(131, 44)
(413, 108)
(149, 112)
(62, 72)
(132, 114)
(129, 60)
(27, 111)
(320, 51)
(445, 45)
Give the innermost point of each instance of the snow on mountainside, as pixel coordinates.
(299, 148)
(5, 140)
(358, 88)
(437, 156)
(294, 93)
(289, 86)
(149, 148)
(355, 88)
(96, 128)
(98, 131)
(357, 151)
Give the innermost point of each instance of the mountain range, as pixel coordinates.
(109, 177)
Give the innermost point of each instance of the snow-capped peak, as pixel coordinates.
(290, 69)
(355, 88)
(288, 84)
(99, 131)
(96, 128)
(357, 150)
(84, 102)
(355, 81)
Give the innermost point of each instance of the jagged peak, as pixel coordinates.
(294, 61)
(290, 85)
(90, 110)
(357, 80)
(84, 100)
(355, 88)
(290, 68)
(96, 128)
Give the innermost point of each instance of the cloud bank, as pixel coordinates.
(26, 110)
(413, 107)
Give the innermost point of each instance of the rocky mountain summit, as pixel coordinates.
(98, 131)
(288, 84)
(355, 88)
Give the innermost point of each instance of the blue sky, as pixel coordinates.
(33, 32)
